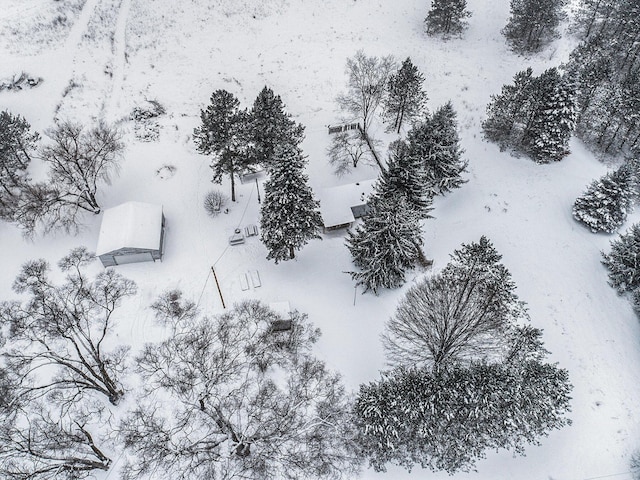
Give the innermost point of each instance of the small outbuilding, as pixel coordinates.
(131, 232)
(340, 206)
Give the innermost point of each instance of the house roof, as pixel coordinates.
(336, 202)
(130, 225)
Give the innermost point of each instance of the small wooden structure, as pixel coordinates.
(344, 128)
(131, 232)
(340, 206)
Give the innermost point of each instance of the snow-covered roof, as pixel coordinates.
(336, 202)
(130, 225)
(283, 309)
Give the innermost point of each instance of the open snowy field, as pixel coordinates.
(101, 58)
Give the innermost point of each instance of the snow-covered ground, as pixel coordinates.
(108, 56)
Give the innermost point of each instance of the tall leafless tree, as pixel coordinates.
(65, 326)
(79, 161)
(246, 400)
(366, 86)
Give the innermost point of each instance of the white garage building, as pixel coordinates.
(131, 232)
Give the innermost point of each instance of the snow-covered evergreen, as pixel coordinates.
(603, 207)
(223, 134)
(405, 99)
(386, 244)
(533, 23)
(289, 215)
(436, 142)
(535, 115)
(270, 126)
(405, 175)
(447, 17)
(448, 419)
(623, 261)
(546, 136)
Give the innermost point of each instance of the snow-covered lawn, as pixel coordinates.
(115, 54)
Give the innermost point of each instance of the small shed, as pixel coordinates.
(341, 205)
(131, 232)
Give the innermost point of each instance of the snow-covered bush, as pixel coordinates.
(634, 465)
(214, 202)
(605, 204)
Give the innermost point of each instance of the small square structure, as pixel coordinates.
(340, 206)
(131, 232)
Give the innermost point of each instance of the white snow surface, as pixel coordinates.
(130, 225)
(114, 54)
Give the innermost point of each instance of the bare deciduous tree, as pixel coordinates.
(367, 86)
(65, 326)
(346, 150)
(246, 400)
(79, 161)
(437, 322)
(48, 443)
(466, 313)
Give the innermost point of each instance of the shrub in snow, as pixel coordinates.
(623, 261)
(634, 465)
(605, 204)
(214, 202)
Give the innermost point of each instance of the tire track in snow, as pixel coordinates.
(67, 57)
(119, 60)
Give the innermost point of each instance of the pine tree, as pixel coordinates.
(386, 244)
(289, 213)
(623, 261)
(405, 98)
(533, 23)
(447, 17)
(448, 419)
(406, 176)
(223, 134)
(547, 135)
(271, 126)
(605, 204)
(437, 144)
(508, 109)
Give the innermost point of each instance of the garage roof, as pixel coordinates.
(130, 225)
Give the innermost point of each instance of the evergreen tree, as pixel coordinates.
(405, 98)
(406, 176)
(508, 109)
(447, 17)
(448, 419)
(533, 23)
(271, 126)
(289, 213)
(605, 204)
(437, 144)
(622, 261)
(16, 144)
(386, 244)
(535, 115)
(546, 137)
(223, 134)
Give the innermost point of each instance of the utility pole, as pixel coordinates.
(258, 190)
(215, 277)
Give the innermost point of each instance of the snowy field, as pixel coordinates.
(101, 58)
